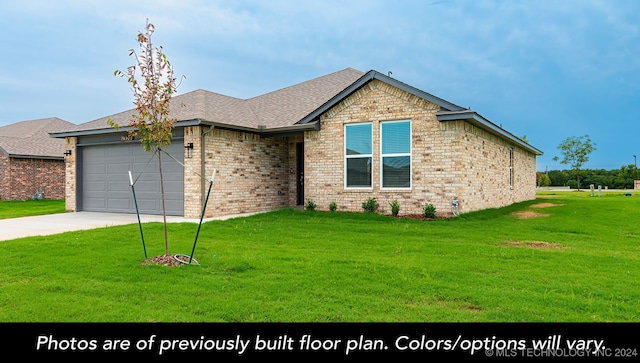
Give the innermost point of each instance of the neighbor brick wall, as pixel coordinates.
(23, 177)
(4, 176)
(253, 174)
(449, 159)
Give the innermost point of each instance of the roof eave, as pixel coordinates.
(476, 119)
(275, 131)
(267, 132)
(44, 157)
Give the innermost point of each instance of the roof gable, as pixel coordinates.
(368, 77)
(448, 111)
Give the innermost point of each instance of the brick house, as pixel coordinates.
(32, 161)
(344, 137)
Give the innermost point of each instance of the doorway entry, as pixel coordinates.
(300, 173)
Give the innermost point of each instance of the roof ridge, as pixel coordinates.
(305, 82)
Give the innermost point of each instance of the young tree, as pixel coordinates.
(575, 152)
(153, 84)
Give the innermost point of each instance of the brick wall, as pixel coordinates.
(192, 171)
(252, 174)
(486, 162)
(22, 178)
(449, 159)
(4, 176)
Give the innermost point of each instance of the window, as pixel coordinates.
(511, 167)
(396, 154)
(358, 155)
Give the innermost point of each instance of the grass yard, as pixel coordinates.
(565, 257)
(25, 208)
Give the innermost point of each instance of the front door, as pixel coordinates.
(300, 173)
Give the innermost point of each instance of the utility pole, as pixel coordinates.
(635, 171)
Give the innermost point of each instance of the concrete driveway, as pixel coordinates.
(64, 222)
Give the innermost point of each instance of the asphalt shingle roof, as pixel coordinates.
(31, 138)
(275, 109)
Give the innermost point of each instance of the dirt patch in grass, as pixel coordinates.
(545, 205)
(165, 260)
(534, 244)
(529, 214)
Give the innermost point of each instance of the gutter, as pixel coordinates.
(43, 157)
(202, 166)
(475, 119)
(261, 130)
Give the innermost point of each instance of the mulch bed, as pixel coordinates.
(166, 260)
(420, 217)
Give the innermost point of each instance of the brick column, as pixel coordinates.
(71, 167)
(192, 180)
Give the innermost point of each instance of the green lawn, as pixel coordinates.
(577, 262)
(25, 208)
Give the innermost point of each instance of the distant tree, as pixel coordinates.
(543, 179)
(626, 176)
(558, 177)
(575, 152)
(152, 89)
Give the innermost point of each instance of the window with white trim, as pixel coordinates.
(395, 153)
(358, 155)
(511, 167)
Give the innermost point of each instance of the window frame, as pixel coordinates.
(511, 176)
(357, 156)
(389, 155)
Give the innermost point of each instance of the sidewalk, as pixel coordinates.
(13, 228)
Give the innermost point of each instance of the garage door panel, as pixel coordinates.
(105, 179)
(118, 186)
(95, 202)
(147, 186)
(172, 184)
(121, 168)
(146, 204)
(115, 203)
(119, 151)
(96, 186)
(94, 152)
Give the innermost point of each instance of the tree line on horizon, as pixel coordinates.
(622, 178)
(575, 153)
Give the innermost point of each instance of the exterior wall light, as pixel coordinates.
(188, 148)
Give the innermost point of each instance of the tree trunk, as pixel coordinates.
(164, 211)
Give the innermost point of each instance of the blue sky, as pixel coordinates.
(547, 69)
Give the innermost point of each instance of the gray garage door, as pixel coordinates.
(105, 179)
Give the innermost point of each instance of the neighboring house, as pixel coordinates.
(344, 137)
(31, 161)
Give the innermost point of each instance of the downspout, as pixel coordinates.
(202, 168)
